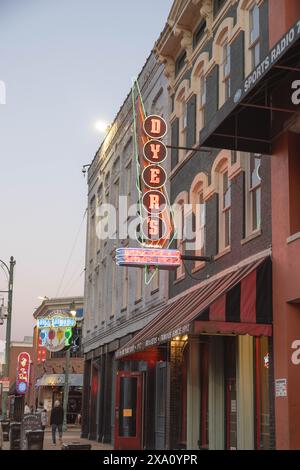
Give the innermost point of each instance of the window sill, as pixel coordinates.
(293, 238)
(198, 267)
(179, 279)
(252, 236)
(154, 291)
(222, 253)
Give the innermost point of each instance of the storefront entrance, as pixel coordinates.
(128, 406)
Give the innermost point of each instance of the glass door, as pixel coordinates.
(128, 411)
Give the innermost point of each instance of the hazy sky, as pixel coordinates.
(65, 64)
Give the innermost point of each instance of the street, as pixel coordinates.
(72, 435)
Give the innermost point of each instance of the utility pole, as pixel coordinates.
(10, 271)
(67, 367)
(66, 388)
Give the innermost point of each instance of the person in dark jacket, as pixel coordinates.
(56, 421)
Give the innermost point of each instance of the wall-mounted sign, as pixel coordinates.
(23, 372)
(281, 387)
(163, 258)
(5, 384)
(55, 330)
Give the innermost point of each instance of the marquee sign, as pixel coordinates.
(166, 259)
(23, 372)
(55, 330)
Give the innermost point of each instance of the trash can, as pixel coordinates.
(76, 446)
(15, 435)
(5, 429)
(34, 439)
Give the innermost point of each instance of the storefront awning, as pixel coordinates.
(58, 380)
(239, 301)
(262, 107)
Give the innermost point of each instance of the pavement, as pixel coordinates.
(71, 435)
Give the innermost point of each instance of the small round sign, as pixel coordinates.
(155, 151)
(154, 202)
(155, 126)
(154, 176)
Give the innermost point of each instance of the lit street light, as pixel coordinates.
(102, 126)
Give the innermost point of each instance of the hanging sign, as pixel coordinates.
(157, 225)
(55, 330)
(23, 372)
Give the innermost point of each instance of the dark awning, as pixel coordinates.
(238, 300)
(262, 108)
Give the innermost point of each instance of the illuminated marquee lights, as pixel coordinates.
(56, 322)
(164, 258)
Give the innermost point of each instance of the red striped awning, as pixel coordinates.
(239, 301)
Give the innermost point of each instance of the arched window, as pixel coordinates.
(198, 85)
(224, 187)
(199, 216)
(181, 114)
(222, 57)
(249, 16)
(180, 222)
(252, 193)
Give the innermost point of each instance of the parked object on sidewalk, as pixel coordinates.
(5, 429)
(15, 435)
(76, 446)
(34, 439)
(31, 422)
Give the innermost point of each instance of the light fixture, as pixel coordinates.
(73, 309)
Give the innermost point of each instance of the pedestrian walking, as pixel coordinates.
(26, 409)
(44, 418)
(56, 421)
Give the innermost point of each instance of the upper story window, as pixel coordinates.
(202, 95)
(218, 5)
(199, 33)
(254, 44)
(138, 284)
(224, 209)
(180, 215)
(182, 126)
(226, 68)
(200, 227)
(252, 193)
(124, 287)
(180, 62)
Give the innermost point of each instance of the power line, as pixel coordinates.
(71, 254)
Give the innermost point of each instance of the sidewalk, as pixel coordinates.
(72, 435)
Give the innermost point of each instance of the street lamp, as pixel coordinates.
(10, 272)
(72, 311)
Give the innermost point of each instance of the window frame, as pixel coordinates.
(224, 210)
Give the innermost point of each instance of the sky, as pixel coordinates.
(64, 65)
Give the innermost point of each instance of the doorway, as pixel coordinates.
(128, 411)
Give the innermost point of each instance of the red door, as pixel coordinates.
(128, 411)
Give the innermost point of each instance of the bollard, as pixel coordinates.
(15, 436)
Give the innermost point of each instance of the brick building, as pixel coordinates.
(214, 338)
(118, 303)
